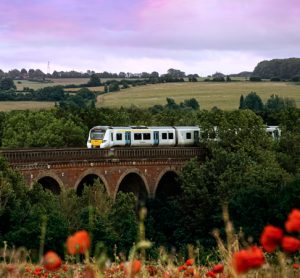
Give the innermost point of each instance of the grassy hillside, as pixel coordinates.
(209, 94)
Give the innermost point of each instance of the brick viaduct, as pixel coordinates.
(144, 171)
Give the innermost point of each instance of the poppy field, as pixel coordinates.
(275, 256)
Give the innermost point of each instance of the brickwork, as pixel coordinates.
(68, 167)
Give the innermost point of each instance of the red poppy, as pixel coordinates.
(51, 261)
(271, 237)
(219, 268)
(290, 244)
(244, 260)
(182, 268)
(189, 262)
(37, 271)
(136, 266)
(211, 274)
(78, 243)
(295, 266)
(293, 222)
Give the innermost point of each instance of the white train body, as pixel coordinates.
(106, 137)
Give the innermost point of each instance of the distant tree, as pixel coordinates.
(154, 74)
(171, 104)
(7, 84)
(145, 75)
(122, 75)
(191, 103)
(31, 73)
(94, 80)
(24, 73)
(2, 74)
(114, 87)
(242, 102)
(14, 74)
(253, 101)
(276, 103)
(55, 74)
(228, 79)
(174, 73)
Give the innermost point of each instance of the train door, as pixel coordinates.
(127, 138)
(155, 138)
(196, 137)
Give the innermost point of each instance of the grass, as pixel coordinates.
(209, 94)
(24, 105)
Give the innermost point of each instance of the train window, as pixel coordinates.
(171, 136)
(188, 135)
(164, 136)
(119, 136)
(138, 136)
(146, 136)
(112, 136)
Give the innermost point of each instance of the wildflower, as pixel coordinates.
(136, 266)
(219, 268)
(296, 266)
(211, 274)
(51, 261)
(78, 243)
(37, 271)
(244, 260)
(189, 262)
(290, 244)
(271, 237)
(182, 268)
(293, 222)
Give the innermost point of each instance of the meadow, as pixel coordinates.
(209, 94)
(225, 96)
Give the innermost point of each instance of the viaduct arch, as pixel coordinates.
(147, 172)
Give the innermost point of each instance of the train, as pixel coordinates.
(105, 137)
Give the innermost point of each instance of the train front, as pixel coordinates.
(96, 136)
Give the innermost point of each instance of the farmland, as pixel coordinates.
(209, 94)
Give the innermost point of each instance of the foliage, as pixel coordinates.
(94, 81)
(41, 129)
(7, 84)
(282, 68)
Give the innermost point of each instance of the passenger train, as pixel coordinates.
(105, 137)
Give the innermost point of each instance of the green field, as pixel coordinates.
(209, 94)
(24, 105)
(54, 82)
(225, 96)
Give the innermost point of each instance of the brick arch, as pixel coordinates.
(162, 173)
(92, 172)
(131, 171)
(50, 174)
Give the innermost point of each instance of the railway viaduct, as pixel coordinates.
(144, 171)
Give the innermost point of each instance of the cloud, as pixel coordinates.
(156, 32)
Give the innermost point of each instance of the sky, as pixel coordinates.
(195, 36)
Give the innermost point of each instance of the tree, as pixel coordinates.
(41, 129)
(253, 101)
(242, 102)
(7, 84)
(276, 103)
(94, 80)
(191, 103)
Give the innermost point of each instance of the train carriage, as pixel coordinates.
(141, 136)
